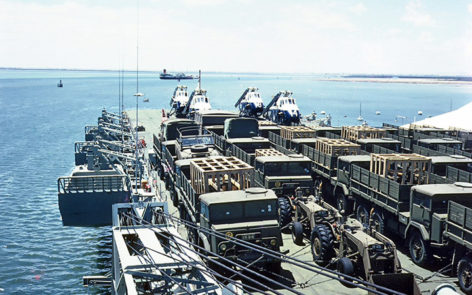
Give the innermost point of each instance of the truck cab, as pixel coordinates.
(284, 174)
(439, 164)
(433, 143)
(428, 216)
(368, 144)
(249, 215)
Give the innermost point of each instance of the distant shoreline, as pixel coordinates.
(437, 80)
(330, 77)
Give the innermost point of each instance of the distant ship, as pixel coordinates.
(180, 76)
(60, 83)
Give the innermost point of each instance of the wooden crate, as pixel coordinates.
(402, 168)
(353, 133)
(220, 174)
(266, 123)
(291, 132)
(268, 152)
(336, 147)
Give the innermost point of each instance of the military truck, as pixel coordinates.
(213, 120)
(242, 133)
(284, 174)
(394, 195)
(192, 144)
(164, 142)
(249, 215)
(198, 176)
(325, 156)
(459, 234)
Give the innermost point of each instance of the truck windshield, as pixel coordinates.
(243, 211)
(287, 169)
(440, 206)
(189, 141)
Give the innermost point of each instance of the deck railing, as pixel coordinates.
(84, 184)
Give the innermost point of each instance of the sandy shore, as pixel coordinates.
(398, 80)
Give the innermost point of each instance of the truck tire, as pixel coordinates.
(362, 214)
(378, 223)
(321, 241)
(464, 274)
(420, 252)
(343, 203)
(199, 148)
(297, 233)
(345, 266)
(285, 211)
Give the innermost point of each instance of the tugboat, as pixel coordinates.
(59, 84)
(180, 76)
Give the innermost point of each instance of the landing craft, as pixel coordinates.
(283, 109)
(178, 101)
(250, 103)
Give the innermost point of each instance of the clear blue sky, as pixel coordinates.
(404, 37)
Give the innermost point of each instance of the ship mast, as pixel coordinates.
(137, 94)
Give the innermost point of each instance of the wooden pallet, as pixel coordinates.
(354, 133)
(291, 132)
(403, 168)
(268, 152)
(220, 174)
(336, 147)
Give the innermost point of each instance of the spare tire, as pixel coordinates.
(199, 148)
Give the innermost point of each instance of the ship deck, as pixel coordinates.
(302, 280)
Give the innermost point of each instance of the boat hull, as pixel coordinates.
(89, 208)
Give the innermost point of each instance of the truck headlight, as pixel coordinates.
(273, 242)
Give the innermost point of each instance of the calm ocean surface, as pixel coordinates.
(39, 124)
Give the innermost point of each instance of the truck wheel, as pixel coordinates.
(285, 211)
(342, 203)
(321, 241)
(378, 223)
(297, 233)
(420, 251)
(346, 267)
(362, 214)
(464, 274)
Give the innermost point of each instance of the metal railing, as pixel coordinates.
(85, 184)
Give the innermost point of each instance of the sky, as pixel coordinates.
(339, 36)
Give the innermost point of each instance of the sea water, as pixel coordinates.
(39, 123)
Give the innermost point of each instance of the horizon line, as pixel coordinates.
(235, 72)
